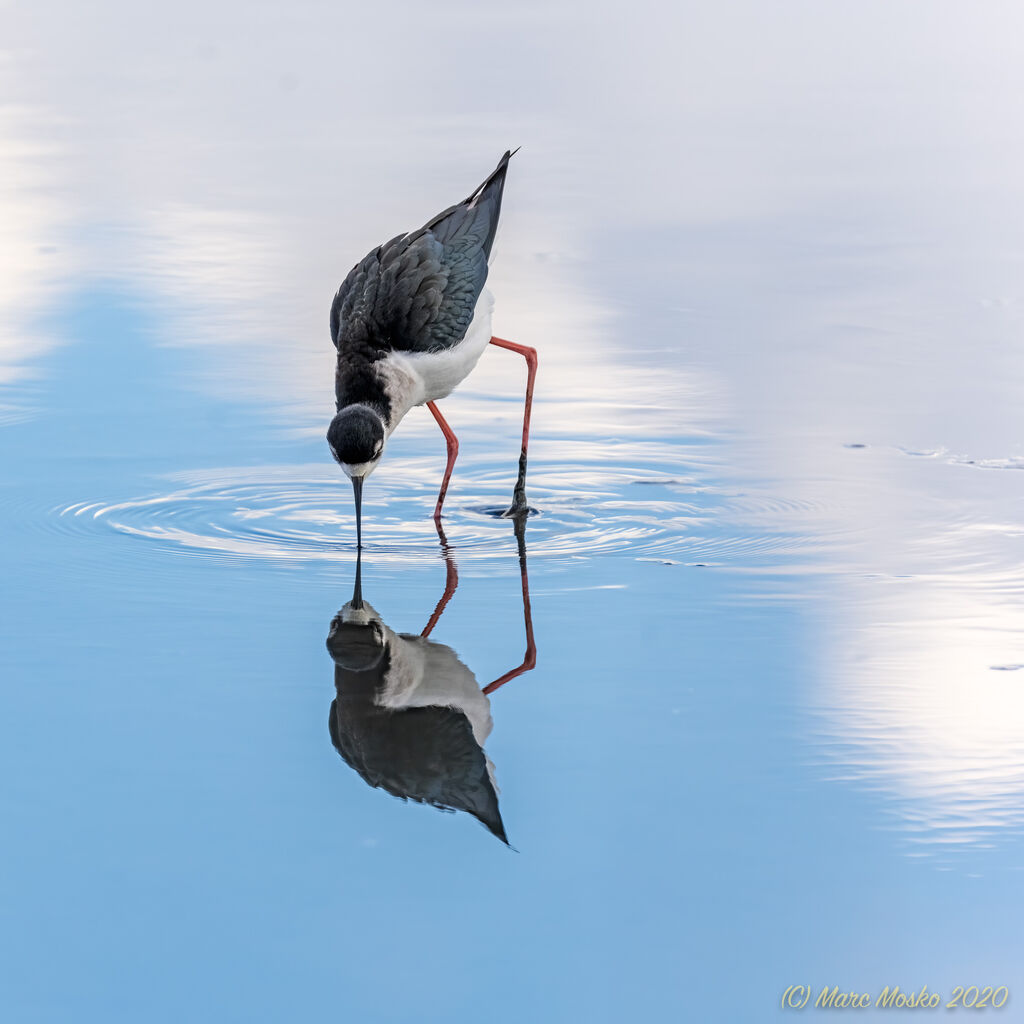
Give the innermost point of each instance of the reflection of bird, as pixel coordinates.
(410, 322)
(410, 718)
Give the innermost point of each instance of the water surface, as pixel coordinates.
(774, 732)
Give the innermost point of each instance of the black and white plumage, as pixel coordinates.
(410, 718)
(409, 323)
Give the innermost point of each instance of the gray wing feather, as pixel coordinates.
(418, 292)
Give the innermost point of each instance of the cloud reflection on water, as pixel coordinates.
(35, 253)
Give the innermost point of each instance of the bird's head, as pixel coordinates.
(356, 437)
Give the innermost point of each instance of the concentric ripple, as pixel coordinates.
(305, 513)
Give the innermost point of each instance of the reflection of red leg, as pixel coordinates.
(451, 580)
(530, 354)
(530, 658)
(453, 450)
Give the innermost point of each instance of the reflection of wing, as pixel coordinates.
(425, 754)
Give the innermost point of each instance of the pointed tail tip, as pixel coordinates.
(503, 162)
(495, 826)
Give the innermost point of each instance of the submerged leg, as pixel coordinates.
(519, 506)
(530, 658)
(453, 450)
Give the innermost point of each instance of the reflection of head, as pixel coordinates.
(422, 750)
(357, 647)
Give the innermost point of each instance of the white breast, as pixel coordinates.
(437, 374)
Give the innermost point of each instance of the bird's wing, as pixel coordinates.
(417, 293)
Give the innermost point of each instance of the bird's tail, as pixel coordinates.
(481, 207)
(490, 193)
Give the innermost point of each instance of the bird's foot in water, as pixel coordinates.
(518, 507)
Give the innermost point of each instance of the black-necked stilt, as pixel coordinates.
(410, 322)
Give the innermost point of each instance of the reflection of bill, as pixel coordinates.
(409, 715)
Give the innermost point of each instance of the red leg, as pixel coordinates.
(519, 505)
(451, 580)
(453, 451)
(530, 658)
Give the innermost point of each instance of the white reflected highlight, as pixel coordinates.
(916, 707)
(34, 257)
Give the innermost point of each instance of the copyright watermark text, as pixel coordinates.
(972, 997)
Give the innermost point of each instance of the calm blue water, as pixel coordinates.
(775, 732)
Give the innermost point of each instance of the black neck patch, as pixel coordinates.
(357, 378)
